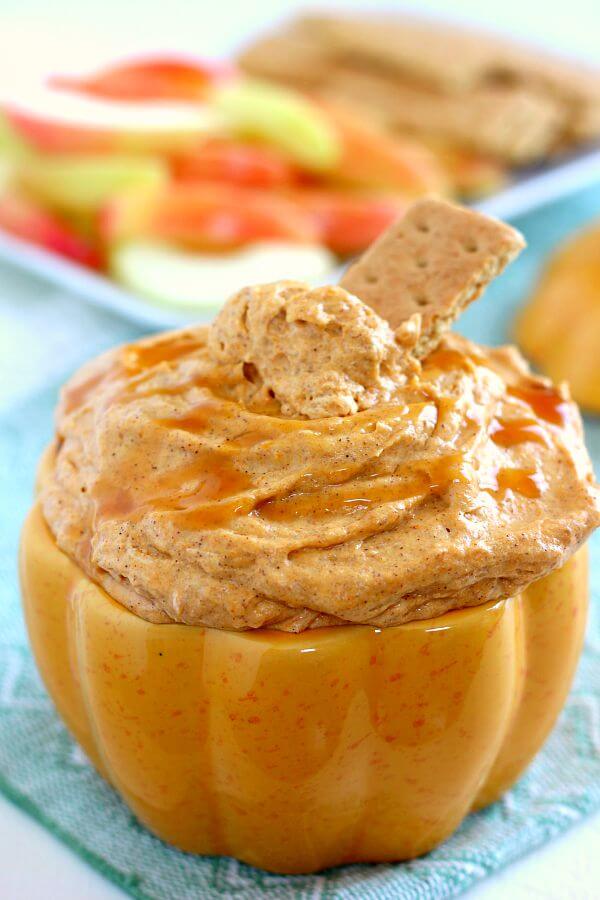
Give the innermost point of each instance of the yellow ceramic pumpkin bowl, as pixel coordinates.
(296, 752)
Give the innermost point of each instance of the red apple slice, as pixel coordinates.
(234, 163)
(60, 121)
(372, 158)
(348, 223)
(154, 78)
(24, 219)
(207, 216)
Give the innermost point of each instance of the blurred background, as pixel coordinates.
(120, 27)
(176, 200)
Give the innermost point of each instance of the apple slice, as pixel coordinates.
(6, 173)
(374, 158)
(348, 223)
(53, 120)
(210, 216)
(207, 216)
(235, 163)
(45, 136)
(152, 78)
(24, 219)
(12, 146)
(471, 174)
(164, 274)
(281, 118)
(82, 184)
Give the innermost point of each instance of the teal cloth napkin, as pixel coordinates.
(44, 772)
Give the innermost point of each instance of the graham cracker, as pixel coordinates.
(443, 57)
(289, 58)
(574, 85)
(477, 89)
(433, 262)
(509, 123)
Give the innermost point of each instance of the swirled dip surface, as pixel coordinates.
(289, 468)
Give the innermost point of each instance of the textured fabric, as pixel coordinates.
(43, 335)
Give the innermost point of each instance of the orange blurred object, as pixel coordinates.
(470, 173)
(559, 329)
(151, 79)
(247, 165)
(373, 158)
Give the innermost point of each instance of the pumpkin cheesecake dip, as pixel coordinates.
(309, 584)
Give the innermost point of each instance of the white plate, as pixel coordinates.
(528, 192)
(544, 184)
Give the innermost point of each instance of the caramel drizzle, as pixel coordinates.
(411, 482)
(133, 360)
(547, 405)
(526, 482)
(212, 477)
(211, 490)
(137, 359)
(446, 359)
(271, 427)
(546, 402)
(510, 432)
(216, 485)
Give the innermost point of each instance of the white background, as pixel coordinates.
(67, 34)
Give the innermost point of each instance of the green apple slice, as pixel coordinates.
(176, 277)
(280, 117)
(81, 184)
(6, 173)
(11, 146)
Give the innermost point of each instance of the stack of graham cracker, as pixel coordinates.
(451, 87)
